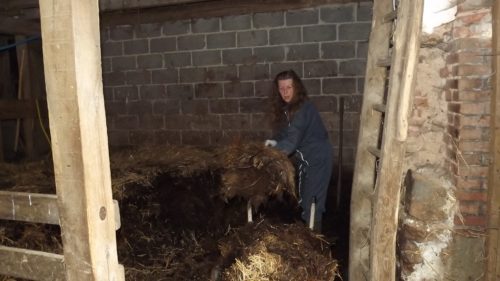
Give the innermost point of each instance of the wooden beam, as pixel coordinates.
(5, 82)
(29, 264)
(28, 123)
(374, 151)
(41, 130)
(1, 144)
(379, 107)
(20, 18)
(35, 207)
(29, 207)
(110, 5)
(208, 9)
(389, 180)
(71, 49)
(493, 231)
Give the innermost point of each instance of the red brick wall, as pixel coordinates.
(467, 91)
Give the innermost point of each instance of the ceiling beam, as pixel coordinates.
(110, 5)
(217, 8)
(21, 17)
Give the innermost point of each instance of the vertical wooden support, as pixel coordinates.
(23, 61)
(1, 143)
(71, 49)
(5, 86)
(364, 172)
(493, 237)
(3, 76)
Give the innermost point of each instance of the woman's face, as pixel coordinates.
(287, 91)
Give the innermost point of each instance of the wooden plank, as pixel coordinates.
(374, 151)
(384, 62)
(36, 207)
(109, 5)
(29, 264)
(30, 207)
(379, 107)
(122, 11)
(389, 180)
(493, 231)
(71, 49)
(390, 16)
(5, 89)
(28, 123)
(4, 71)
(364, 171)
(208, 9)
(1, 144)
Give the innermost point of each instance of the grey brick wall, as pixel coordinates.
(206, 81)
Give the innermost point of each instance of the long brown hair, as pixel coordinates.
(299, 97)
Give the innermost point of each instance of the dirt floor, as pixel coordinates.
(179, 222)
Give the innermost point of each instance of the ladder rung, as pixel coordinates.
(379, 107)
(385, 62)
(390, 16)
(375, 151)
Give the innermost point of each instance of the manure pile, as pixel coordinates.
(183, 215)
(284, 252)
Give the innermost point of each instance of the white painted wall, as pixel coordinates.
(438, 12)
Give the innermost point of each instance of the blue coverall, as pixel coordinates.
(306, 136)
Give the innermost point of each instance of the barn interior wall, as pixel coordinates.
(7, 91)
(22, 133)
(468, 93)
(427, 216)
(205, 81)
(449, 142)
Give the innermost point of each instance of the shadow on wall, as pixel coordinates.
(336, 218)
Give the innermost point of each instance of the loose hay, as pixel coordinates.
(280, 252)
(255, 172)
(172, 215)
(35, 177)
(142, 165)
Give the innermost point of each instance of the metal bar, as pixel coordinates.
(341, 147)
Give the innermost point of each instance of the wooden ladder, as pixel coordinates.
(389, 82)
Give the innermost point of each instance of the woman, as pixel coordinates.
(302, 134)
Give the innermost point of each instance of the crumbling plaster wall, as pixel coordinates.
(444, 220)
(427, 217)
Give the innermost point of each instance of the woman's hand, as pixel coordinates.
(271, 143)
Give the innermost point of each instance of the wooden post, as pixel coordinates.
(1, 143)
(493, 237)
(4, 69)
(71, 50)
(25, 83)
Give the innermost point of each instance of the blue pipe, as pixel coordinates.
(26, 41)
